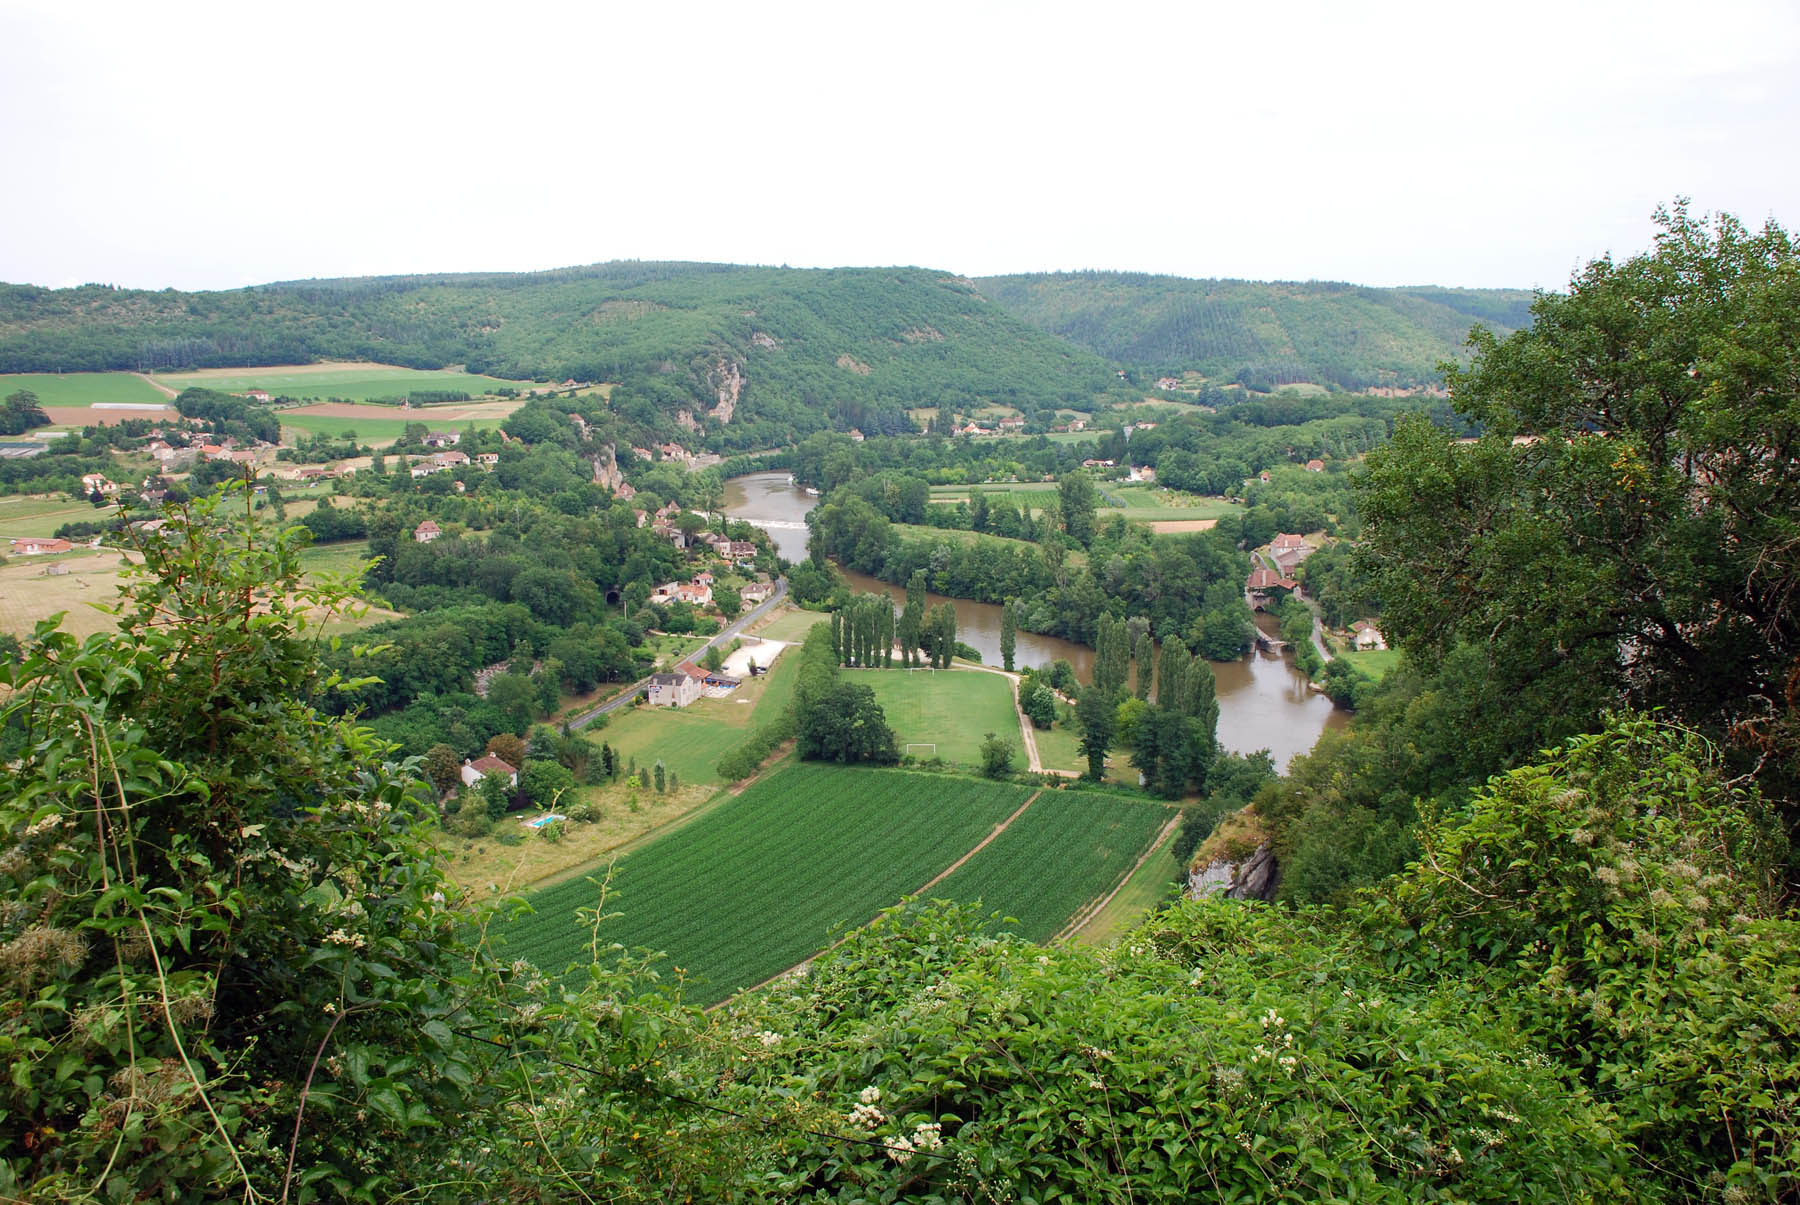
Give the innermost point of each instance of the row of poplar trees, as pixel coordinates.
(865, 631)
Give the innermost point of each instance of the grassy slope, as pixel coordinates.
(83, 388)
(690, 740)
(352, 382)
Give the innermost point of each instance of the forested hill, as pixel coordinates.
(1261, 334)
(789, 350)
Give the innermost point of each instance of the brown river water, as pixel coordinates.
(1264, 702)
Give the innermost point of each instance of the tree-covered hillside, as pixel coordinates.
(754, 355)
(1261, 334)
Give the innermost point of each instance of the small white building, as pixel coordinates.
(1366, 636)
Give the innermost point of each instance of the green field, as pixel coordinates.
(1149, 503)
(916, 531)
(352, 382)
(1068, 848)
(1150, 886)
(376, 432)
(42, 516)
(953, 709)
(690, 740)
(345, 556)
(771, 877)
(792, 625)
(83, 388)
(1377, 663)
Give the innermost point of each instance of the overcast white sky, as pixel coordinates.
(202, 145)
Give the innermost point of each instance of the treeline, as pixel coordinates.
(1261, 335)
(1189, 585)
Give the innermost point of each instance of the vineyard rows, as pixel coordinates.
(771, 877)
(1068, 848)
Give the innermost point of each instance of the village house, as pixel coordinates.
(741, 550)
(756, 592)
(1268, 579)
(856, 435)
(1013, 422)
(39, 546)
(449, 459)
(474, 771)
(97, 482)
(1168, 383)
(259, 395)
(488, 459)
(442, 439)
(1366, 636)
(1315, 466)
(426, 532)
(673, 690)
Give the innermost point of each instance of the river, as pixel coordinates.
(1264, 702)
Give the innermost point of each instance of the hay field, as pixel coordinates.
(28, 593)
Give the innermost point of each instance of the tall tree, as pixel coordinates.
(1077, 497)
(1626, 528)
(1009, 633)
(1095, 715)
(912, 619)
(1112, 656)
(1143, 653)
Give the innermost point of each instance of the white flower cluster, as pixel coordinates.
(769, 1038)
(1276, 1029)
(870, 1095)
(927, 1136)
(866, 1116)
(48, 824)
(342, 937)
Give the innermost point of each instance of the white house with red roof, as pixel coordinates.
(474, 771)
(426, 532)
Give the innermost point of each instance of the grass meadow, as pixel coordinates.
(953, 709)
(792, 624)
(83, 388)
(1149, 502)
(766, 879)
(352, 382)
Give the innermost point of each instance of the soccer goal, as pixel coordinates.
(931, 745)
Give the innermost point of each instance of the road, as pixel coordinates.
(730, 633)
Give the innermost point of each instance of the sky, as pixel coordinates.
(216, 145)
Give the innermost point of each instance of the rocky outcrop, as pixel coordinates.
(726, 379)
(1254, 878)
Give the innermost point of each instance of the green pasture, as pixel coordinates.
(340, 558)
(1376, 663)
(354, 383)
(792, 625)
(954, 709)
(1066, 850)
(763, 881)
(83, 388)
(20, 516)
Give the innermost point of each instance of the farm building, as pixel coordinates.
(39, 546)
(474, 771)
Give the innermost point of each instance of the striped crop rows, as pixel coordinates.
(769, 878)
(1068, 848)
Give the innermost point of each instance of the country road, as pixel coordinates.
(729, 633)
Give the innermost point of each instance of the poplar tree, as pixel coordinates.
(1009, 633)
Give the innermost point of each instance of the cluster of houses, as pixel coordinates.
(441, 462)
(1287, 550)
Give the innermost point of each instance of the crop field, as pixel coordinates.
(341, 557)
(1068, 848)
(771, 877)
(83, 389)
(690, 740)
(954, 709)
(1150, 887)
(352, 382)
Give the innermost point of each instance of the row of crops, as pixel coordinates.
(767, 879)
(1064, 850)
